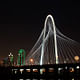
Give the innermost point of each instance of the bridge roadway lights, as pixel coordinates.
(46, 71)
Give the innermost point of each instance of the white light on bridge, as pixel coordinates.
(77, 67)
(28, 70)
(59, 69)
(21, 70)
(35, 70)
(66, 67)
(42, 71)
(21, 79)
(73, 79)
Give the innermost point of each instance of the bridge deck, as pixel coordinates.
(45, 71)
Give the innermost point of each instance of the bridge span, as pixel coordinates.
(55, 71)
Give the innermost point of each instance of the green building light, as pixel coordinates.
(21, 57)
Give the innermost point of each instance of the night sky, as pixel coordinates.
(22, 22)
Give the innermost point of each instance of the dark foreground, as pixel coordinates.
(45, 72)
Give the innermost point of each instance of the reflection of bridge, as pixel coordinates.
(53, 47)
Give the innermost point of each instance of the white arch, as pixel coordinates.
(55, 40)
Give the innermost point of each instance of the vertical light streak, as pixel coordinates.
(43, 44)
(55, 40)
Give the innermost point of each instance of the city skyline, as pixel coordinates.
(21, 27)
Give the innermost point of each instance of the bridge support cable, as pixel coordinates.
(52, 47)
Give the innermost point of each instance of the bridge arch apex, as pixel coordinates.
(53, 27)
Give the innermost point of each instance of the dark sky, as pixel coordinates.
(22, 22)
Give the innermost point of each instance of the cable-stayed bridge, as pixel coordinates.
(52, 47)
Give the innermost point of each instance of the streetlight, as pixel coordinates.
(31, 61)
(76, 58)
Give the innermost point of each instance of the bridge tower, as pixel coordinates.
(55, 40)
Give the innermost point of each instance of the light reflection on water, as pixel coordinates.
(43, 79)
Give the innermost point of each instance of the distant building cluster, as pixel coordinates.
(9, 60)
